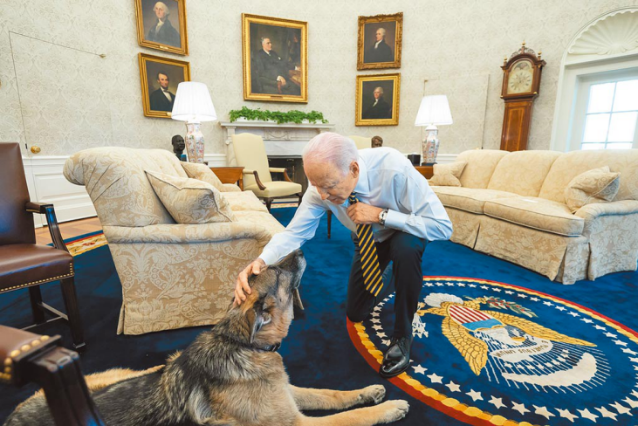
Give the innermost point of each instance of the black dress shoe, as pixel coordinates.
(397, 359)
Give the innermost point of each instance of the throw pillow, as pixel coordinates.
(593, 186)
(448, 174)
(202, 172)
(190, 200)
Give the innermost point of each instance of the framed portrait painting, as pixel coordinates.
(380, 40)
(161, 25)
(160, 77)
(377, 100)
(275, 59)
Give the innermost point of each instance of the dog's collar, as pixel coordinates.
(269, 348)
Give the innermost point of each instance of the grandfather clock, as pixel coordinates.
(521, 82)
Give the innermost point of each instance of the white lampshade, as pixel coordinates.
(193, 103)
(434, 110)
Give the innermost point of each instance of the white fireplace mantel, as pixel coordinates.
(279, 139)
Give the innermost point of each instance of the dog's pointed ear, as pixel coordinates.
(257, 318)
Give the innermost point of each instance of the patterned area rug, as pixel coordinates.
(489, 353)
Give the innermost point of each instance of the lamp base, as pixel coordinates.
(430, 146)
(194, 143)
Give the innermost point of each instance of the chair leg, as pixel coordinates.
(329, 223)
(268, 203)
(36, 302)
(73, 312)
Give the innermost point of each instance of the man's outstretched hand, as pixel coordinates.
(241, 287)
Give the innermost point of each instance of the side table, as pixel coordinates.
(426, 171)
(230, 175)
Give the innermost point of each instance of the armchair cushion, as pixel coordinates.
(204, 173)
(23, 265)
(190, 200)
(593, 186)
(275, 189)
(244, 201)
(448, 174)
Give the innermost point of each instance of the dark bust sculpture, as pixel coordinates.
(178, 147)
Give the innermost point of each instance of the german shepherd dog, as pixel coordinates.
(231, 375)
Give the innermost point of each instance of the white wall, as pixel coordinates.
(442, 39)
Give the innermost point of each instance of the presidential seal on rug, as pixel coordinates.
(231, 375)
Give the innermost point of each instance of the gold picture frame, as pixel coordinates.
(387, 52)
(288, 55)
(172, 35)
(373, 110)
(154, 72)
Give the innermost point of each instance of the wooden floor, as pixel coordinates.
(69, 229)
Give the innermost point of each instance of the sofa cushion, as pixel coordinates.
(190, 200)
(480, 166)
(448, 174)
(594, 186)
(523, 172)
(571, 164)
(468, 199)
(537, 213)
(244, 201)
(202, 172)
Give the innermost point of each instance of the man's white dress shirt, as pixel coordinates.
(387, 180)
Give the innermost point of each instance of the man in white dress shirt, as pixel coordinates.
(404, 213)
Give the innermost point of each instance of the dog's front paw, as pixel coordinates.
(394, 410)
(373, 394)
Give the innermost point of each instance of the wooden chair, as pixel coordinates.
(25, 264)
(28, 357)
(250, 153)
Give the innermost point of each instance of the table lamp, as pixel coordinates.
(434, 110)
(193, 105)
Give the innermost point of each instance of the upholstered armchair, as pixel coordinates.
(250, 153)
(25, 264)
(362, 142)
(173, 275)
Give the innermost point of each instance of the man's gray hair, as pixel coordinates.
(380, 89)
(331, 148)
(382, 31)
(263, 39)
(163, 6)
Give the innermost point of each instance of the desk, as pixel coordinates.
(230, 175)
(426, 171)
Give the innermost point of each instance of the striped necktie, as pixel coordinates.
(369, 258)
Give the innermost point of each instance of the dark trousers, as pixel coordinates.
(406, 253)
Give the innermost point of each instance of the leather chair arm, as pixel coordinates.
(54, 229)
(28, 357)
(16, 347)
(281, 170)
(254, 173)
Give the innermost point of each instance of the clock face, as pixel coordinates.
(520, 78)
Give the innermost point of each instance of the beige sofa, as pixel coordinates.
(172, 275)
(512, 206)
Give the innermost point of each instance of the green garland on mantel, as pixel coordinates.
(279, 117)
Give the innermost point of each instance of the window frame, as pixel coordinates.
(581, 102)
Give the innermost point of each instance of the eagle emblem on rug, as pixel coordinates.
(512, 339)
(486, 352)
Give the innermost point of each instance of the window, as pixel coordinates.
(607, 113)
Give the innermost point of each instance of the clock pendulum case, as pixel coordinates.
(521, 82)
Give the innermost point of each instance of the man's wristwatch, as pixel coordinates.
(383, 214)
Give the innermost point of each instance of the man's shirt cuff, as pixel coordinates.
(396, 220)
